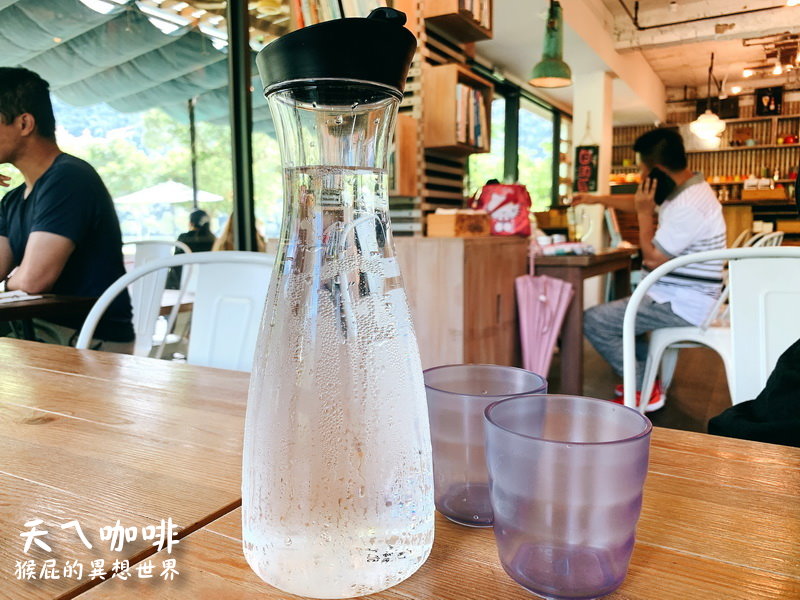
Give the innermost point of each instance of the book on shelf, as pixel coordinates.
(471, 123)
(480, 10)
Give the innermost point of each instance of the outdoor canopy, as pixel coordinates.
(121, 58)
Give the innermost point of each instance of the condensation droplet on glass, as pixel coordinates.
(288, 541)
(339, 120)
(377, 121)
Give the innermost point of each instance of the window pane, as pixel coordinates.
(490, 165)
(536, 153)
(565, 161)
(121, 75)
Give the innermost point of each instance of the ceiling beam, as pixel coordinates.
(592, 21)
(718, 28)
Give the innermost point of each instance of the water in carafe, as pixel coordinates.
(337, 490)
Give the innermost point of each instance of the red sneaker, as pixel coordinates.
(657, 397)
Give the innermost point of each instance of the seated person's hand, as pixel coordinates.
(645, 196)
(585, 199)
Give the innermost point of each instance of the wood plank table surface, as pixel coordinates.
(48, 306)
(720, 520)
(575, 269)
(98, 437)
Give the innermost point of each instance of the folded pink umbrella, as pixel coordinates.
(542, 303)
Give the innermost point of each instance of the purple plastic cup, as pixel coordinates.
(566, 475)
(457, 396)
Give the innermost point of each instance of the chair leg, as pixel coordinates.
(654, 358)
(668, 362)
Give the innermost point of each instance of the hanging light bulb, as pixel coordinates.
(747, 73)
(552, 71)
(736, 89)
(708, 126)
(778, 69)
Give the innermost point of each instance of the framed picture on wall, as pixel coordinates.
(769, 101)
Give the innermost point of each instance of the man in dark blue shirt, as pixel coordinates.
(59, 231)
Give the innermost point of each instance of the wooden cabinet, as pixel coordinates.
(456, 108)
(465, 20)
(461, 293)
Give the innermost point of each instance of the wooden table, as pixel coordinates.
(170, 297)
(575, 269)
(98, 437)
(46, 307)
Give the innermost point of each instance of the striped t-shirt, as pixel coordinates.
(689, 221)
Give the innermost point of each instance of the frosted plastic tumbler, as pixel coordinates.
(457, 397)
(566, 475)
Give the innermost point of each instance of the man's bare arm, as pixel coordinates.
(45, 257)
(623, 202)
(645, 204)
(6, 257)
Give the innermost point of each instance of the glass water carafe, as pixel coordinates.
(337, 490)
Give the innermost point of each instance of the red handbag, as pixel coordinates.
(508, 206)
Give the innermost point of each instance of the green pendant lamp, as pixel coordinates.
(552, 71)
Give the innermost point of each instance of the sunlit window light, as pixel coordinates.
(166, 21)
(100, 6)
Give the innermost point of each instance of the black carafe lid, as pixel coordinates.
(375, 49)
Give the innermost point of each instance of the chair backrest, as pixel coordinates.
(770, 239)
(228, 302)
(146, 291)
(741, 239)
(764, 295)
(764, 302)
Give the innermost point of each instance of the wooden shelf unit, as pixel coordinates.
(456, 18)
(439, 163)
(744, 148)
(403, 157)
(440, 108)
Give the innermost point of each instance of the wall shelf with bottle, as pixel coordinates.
(465, 20)
(456, 107)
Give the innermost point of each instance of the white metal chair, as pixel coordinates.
(146, 292)
(764, 296)
(714, 333)
(741, 238)
(228, 302)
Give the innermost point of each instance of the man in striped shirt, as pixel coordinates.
(689, 220)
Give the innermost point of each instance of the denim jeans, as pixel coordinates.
(602, 326)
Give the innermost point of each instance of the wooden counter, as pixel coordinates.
(461, 293)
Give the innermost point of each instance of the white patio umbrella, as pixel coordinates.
(168, 192)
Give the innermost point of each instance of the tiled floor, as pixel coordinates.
(699, 390)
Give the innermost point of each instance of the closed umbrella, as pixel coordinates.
(542, 302)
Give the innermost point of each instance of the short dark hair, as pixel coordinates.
(662, 146)
(199, 219)
(23, 91)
